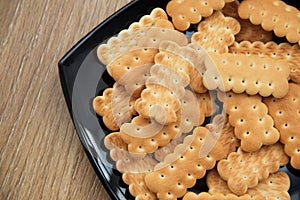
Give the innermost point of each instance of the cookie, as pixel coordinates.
(273, 15)
(262, 75)
(179, 170)
(125, 161)
(219, 196)
(281, 52)
(137, 186)
(249, 31)
(146, 136)
(252, 124)
(159, 103)
(286, 115)
(216, 33)
(115, 106)
(157, 18)
(243, 170)
(192, 11)
(207, 105)
(162, 152)
(276, 186)
(221, 127)
(129, 40)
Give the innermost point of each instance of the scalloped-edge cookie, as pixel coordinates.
(125, 161)
(282, 52)
(244, 170)
(249, 31)
(261, 75)
(273, 15)
(276, 186)
(252, 124)
(115, 106)
(219, 196)
(286, 115)
(216, 33)
(179, 170)
(137, 186)
(192, 11)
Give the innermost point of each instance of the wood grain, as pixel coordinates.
(40, 154)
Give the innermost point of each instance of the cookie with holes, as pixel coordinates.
(219, 196)
(216, 33)
(115, 105)
(179, 170)
(192, 11)
(137, 186)
(276, 186)
(252, 124)
(249, 31)
(125, 161)
(207, 105)
(221, 128)
(243, 170)
(286, 114)
(145, 136)
(273, 15)
(157, 18)
(281, 52)
(261, 75)
(129, 40)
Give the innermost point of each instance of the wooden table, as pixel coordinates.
(40, 154)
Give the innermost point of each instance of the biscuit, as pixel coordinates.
(157, 18)
(273, 15)
(249, 31)
(162, 152)
(179, 170)
(159, 103)
(115, 106)
(286, 115)
(129, 40)
(137, 186)
(145, 136)
(192, 11)
(219, 196)
(226, 139)
(262, 75)
(216, 33)
(243, 170)
(276, 186)
(216, 184)
(124, 64)
(207, 105)
(281, 52)
(252, 124)
(125, 161)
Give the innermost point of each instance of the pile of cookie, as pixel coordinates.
(222, 104)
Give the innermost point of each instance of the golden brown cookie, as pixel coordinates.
(249, 31)
(115, 106)
(137, 186)
(276, 186)
(180, 169)
(192, 11)
(273, 15)
(146, 136)
(244, 170)
(262, 75)
(252, 124)
(286, 115)
(219, 196)
(281, 52)
(216, 33)
(125, 161)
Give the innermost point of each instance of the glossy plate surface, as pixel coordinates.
(83, 77)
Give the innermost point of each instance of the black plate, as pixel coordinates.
(83, 77)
